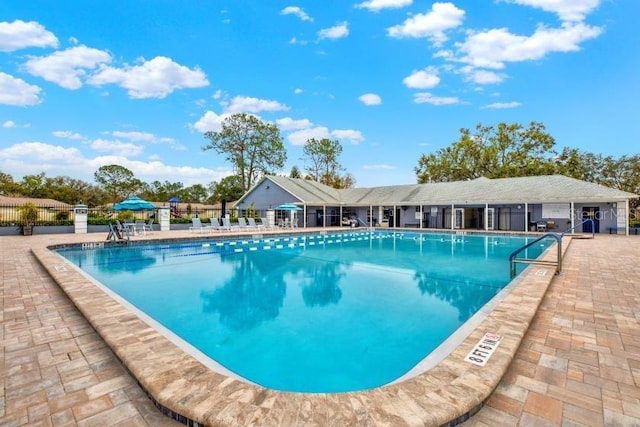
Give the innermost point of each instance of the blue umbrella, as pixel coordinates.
(134, 203)
(289, 207)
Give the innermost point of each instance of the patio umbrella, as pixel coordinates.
(289, 207)
(134, 203)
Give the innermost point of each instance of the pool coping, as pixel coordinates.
(185, 389)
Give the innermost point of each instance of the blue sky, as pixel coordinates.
(137, 83)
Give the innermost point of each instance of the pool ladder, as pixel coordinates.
(558, 263)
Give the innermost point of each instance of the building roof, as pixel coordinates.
(41, 203)
(530, 189)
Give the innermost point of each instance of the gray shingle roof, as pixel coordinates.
(531, 189)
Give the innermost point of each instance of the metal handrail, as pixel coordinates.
(361, 221)
(593, 227)
(558, 263)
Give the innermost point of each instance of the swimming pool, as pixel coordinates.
(323, 313)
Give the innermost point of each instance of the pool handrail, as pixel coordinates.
(558, 263)
(364, 223)
(593, 227)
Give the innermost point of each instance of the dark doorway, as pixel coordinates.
(591, 212)
(319, 218)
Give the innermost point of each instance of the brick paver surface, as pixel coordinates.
(55, 369)
(579, 363)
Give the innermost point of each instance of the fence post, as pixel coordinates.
(80, 219)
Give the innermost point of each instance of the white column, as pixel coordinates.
(80, 219)
(573, 216)
(453, 216)
(164, 219)
(486, 217)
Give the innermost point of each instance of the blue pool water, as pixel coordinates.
(326, 313)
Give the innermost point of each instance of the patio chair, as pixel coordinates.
(140, 227)
(198, 226)
(242, 224)
(253, 225)
(266, 224)
(215, 224)
(227, 224)
(148, 227)
(541, 226)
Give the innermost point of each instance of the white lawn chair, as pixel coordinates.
(198, 226)
(227, 224)
(253, 225)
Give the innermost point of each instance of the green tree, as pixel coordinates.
(295, 172)
(229, 188)
(196, 193)
(253, 147)
(322, 156)
(493, 152)
(8, 186)
(33, 185)
(117, 181)
(323, 164)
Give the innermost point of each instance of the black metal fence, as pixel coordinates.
(10, 216)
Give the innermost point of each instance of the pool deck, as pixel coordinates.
(570, 355)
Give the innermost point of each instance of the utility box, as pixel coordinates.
(80, 213)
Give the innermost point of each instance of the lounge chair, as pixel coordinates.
(148, 227)
(242, 224)
(227, 224)
(215, 225)
(198, 226)
(253, 225)
(268, 224)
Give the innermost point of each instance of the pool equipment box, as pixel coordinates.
(482, 351)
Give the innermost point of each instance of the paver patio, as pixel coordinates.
(578, 364)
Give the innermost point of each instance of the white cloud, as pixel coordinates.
(422, 79)
(482, 77)
(294, 40)
(428, 98)
(209, 122)
(335, 32)
(297, 11)
(502, 105)
(567, 10)
(298, 91)
(155, 78)
(62, 161)
(432, 25)
(287, 124)
(492, 48)
(135, 136)
(370, 99)
(354, 136)
(378, 167)
(124, 149)
(217, 94)
(19, 35)
(247, 104)
(14, 91)
(67, 67)
(9, 124)
(377, 5)
(300, 137)
(66, 134)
